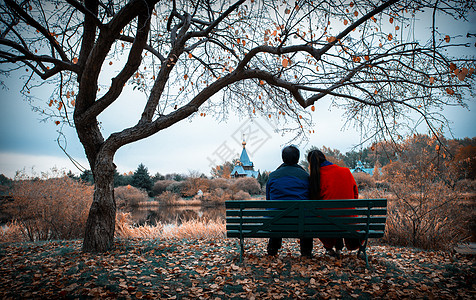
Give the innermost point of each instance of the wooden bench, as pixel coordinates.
(306, 219)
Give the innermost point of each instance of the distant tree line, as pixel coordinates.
(140, 178)
(429, 182)
(453, 156)
(457, 154)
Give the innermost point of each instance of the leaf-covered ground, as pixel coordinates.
(199, 269)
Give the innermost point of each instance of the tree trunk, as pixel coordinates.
(99, 234)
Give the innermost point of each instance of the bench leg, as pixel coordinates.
(242, 250)
(363, 250)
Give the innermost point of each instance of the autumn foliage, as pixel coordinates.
(214, 191)
(209, 269)
(129, 196)
(266, 58)
(428, 181)
(55, 208)
(428, 207)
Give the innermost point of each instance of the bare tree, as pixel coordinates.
(275, 58)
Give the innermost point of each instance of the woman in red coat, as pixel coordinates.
(328, 181)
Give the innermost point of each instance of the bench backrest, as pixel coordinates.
(358, 218)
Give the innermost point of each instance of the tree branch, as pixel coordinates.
(97, 54)
(28, 56)
(32, 22)
(91, 15)
(146, 47)
(131, 66)
(89, 33)
(146, 129)
(216, 22)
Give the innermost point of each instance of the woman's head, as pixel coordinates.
(315, 159)
(316, 156)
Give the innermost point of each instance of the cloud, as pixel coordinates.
(33, 164)
(190, 145)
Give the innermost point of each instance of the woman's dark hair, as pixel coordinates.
(315, 159)
(290, 155)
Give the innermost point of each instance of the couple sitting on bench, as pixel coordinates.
(326, 181)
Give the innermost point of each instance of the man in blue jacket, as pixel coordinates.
(288, 181)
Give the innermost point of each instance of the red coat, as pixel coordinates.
(337, 183)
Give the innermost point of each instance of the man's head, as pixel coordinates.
(290, 155)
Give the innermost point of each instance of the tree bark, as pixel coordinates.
(99, 234)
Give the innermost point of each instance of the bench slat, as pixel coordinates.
(307, 203)
(270, 213)
(307, 227)
(309, 220)
(267, 234)
(347, 218)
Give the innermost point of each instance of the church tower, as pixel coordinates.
(244, 167)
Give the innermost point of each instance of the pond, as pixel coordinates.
(175, 214)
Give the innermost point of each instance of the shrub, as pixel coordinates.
(382, 185)
(176, 187)
(129, 196)
(168, 198)
(216, 197)
(424, 211)
(160, 186)
(364, 181)
(192, 185)
(12, 232)
(242, 195)
(247, 184)
(50, 209)
(219, 183)
(375, 193)
(437, 224)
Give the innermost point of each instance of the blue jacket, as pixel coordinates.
(288, 182)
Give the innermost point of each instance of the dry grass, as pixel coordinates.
(172, 199)
(12, 232)
(192, 229)
(178, 202)
(196, 229)
(192, 202)
(149, 203)
(125, 228)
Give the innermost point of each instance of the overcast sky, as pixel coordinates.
(28, 144)
(191, 145)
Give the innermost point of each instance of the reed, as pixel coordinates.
(126, 229)
(191, 229)
(148, 203)
(196, 229)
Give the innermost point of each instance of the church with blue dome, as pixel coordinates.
(359, 168)
(244, 167)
